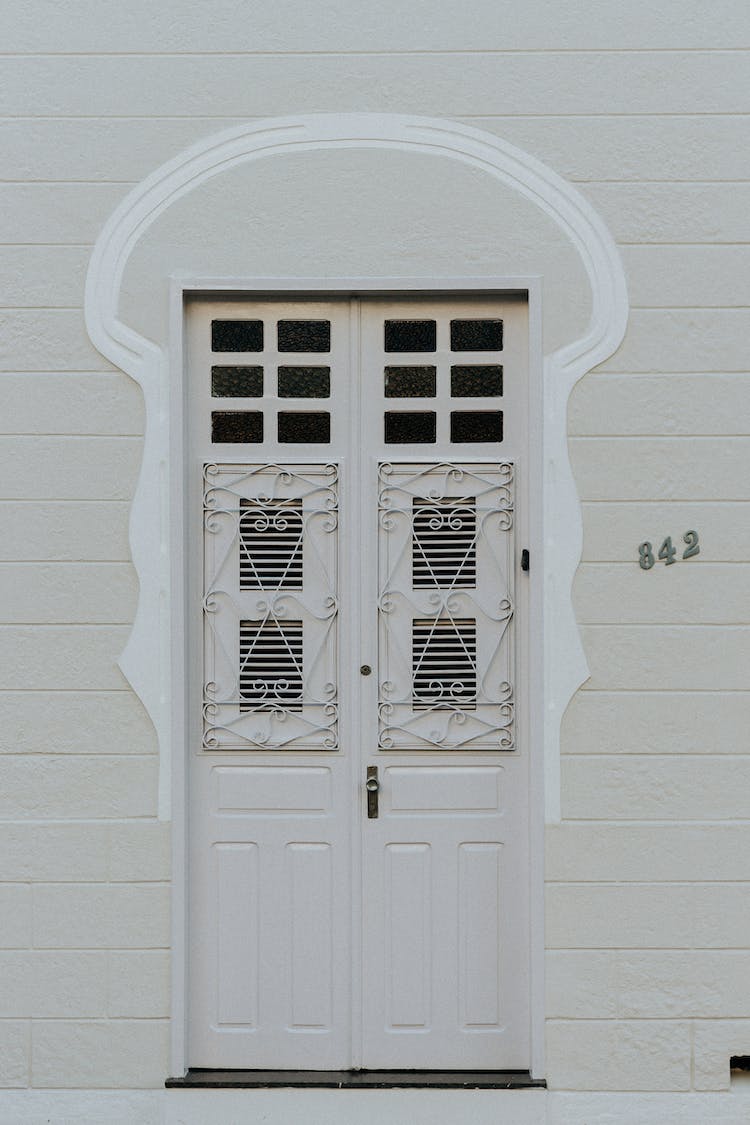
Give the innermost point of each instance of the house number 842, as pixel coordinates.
(667, 552)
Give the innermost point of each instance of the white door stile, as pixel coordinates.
(360, 1032)
(431, 845)
(358, 656)
(225, 1038)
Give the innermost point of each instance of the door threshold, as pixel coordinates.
(357, 1079)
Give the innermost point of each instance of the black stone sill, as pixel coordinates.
(356, 1079)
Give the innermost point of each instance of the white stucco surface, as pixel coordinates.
(644, 108)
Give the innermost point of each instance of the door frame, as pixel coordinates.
(181, 289)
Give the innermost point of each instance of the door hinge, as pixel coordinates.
(525, 559)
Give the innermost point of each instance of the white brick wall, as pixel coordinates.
(588, 1054)
(98, 1053)
(644, 106)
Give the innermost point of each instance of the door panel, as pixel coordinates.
(480, 895)
(238, 930)
(269, 953)
(445, 723)
(384, 537)
(432, 789)
(459, 925)
(408, 936)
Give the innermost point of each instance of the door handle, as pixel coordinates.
(372, 785)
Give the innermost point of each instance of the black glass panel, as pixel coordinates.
(410, 426)
(237, 382)
(305, 427)
(304, 335)
(476, 381)
(476, 335)
(304, 382)
(410, 382)
(476, 425)
(237, 425)
(236, 335)
(410, 335)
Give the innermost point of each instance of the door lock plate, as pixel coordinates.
(372, 785)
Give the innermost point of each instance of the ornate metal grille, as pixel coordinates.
(444, 663)
(270, 607)
(271, 664)
(444, 543)
(446, 565)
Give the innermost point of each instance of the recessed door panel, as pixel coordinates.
(237, 933)
(278, 790)
(408, 953)
(310, 888)
(436, 789)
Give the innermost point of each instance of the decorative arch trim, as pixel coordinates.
(146, 659)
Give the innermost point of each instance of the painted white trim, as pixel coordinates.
(371, 1107)
(146, 660)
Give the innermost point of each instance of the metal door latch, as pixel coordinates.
(372, 785)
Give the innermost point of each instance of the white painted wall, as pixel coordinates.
(644, 108)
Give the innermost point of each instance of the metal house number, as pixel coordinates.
(667, 552)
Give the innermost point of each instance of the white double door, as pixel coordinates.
(361, 614)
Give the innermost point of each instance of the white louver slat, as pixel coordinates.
(444, 662)
(444, 543)
(271, 664)
(271, 545)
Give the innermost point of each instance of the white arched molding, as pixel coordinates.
(146, 658)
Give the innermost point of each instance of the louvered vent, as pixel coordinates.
(444, 663)
(271, 545)
(270, 665)
(444, 536)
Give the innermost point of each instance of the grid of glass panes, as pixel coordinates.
(454, 360)
(280, 358)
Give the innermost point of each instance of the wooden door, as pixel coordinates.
(445, 935)
(359, 502)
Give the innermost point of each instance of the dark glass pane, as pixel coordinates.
(476, 381)
(304, 382)
(305, 427)
(304, 335)
(236, 382)
(410, 382)
(410, 335)
(408, 426)
(237, 425)
(476, 335)
(236, 335)
(477, 425)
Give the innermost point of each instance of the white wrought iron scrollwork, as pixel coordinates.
(445, 606)
(270, 607)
